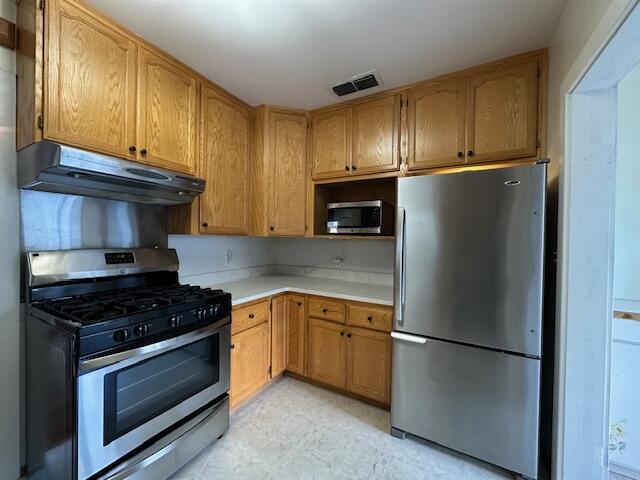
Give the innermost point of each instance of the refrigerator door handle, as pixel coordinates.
(400, 263)
(409, 338)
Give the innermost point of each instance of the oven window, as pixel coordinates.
(136, 394)
(355, 217)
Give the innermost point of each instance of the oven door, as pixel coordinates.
(355, 217)
(129, 397)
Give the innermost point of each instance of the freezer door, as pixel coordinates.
(469, 257)
(476, 401)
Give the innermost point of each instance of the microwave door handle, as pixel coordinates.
(400, 267)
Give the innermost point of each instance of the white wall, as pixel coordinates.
(208, 254)
(357, 255)
(9, 265)
(626, 286)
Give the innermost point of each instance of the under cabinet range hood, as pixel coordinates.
(52, 167)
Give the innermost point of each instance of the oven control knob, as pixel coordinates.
(212, 311)
(141, 329)
(121, 335)
(174, 321)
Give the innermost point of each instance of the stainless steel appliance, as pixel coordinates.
(53, 167)
(468, 312)
(356, 218)
(127, 370)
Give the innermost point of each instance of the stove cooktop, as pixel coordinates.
(99, 307)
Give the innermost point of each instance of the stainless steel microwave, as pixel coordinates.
(373, 217)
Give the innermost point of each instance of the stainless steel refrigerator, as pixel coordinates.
(468, 297)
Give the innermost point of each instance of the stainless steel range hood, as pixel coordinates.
(52, 167)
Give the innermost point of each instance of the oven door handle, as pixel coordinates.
(152, 350)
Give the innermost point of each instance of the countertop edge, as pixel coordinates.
(309, 291)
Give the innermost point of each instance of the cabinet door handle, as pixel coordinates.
(143, 152)
(324, 310)
(346, 167)
(370, 318)
(205, 224)
(348, 335)
(132, 148)
(460, 154)
(353, 167)
(251, 315)
(342, 334)
(271, 228)
(299, 304)
(470, 153)
(232, 346)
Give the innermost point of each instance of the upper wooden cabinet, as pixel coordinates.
(486, 117)
(331, 143)
(436, 121)
(167, 113)
(376, 136)
(502, 118)
(356, 140)
(224, 157)
(278, 172)
(90, 81)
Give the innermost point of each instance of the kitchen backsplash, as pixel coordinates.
(218, 259)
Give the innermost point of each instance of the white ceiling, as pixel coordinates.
(285, 52)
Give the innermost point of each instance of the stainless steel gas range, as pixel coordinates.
(127, 370)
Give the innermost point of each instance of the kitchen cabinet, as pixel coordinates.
(484, 117)
(250, 315)
(437, 123)
(369, 364)
(249, 362)
(365, 315)
(167, 128)
(278, 335)
(356, 140)
(326, 360)
(376, 136)
(90, 81)
(278, 172)
(502, 111)
(327, 309)
(224, 158)
(296, 333)
(331, 143)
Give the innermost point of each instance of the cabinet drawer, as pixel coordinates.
(370, 316)
(244, 318)
(326, 309)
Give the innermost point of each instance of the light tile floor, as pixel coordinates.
(293, 430)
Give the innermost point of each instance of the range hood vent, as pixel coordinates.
(52, 167)
(356, 83)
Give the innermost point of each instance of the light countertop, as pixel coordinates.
(254, 288)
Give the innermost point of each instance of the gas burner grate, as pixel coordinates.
(100, 307)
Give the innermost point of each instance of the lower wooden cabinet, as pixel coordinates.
(369, 364)
(278, 335)
(249, 362)
(327, 354)
(296, 333)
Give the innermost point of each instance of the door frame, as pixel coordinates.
(586, 143)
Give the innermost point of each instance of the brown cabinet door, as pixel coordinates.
(224, 156)
(436, 125)
(167, 114)
(249, 362)
(327, 352)
(369, 364)
(90, 75)
(288, 154)
(376, 134)
(502, 114)
(278, 335)
(296, 333)
(331, 144)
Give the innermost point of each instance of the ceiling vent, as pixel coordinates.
(357, 83)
